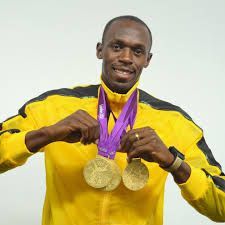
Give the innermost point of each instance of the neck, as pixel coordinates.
(117, 100)
(114, 89)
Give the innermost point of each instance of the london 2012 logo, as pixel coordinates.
(101, 111)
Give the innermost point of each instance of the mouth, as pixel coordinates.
(123, 74)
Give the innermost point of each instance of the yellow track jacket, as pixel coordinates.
(70, 201)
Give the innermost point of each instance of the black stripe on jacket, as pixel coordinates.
(218, 181)
(162, 105)
(79, 92)
(91, 91)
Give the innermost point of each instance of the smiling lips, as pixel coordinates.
(123, 73)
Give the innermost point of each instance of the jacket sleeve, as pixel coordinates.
(205, 188)
(13, 150)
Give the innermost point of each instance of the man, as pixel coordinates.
(63, 124)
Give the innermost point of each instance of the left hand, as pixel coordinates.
(145, 143)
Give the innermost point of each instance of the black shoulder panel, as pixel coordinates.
(79, 92)
(218, 181)
(162, 105)
(90, 91)
(11, 131)
(159, 104)
(208, 153)
(9, 119)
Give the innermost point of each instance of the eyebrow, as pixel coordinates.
(119, 41)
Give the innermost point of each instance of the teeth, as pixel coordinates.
(123, 72)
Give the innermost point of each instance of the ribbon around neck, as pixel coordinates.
(109, 143)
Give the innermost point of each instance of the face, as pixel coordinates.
(125, 51)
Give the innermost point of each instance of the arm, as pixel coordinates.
(13, 150)
(205, 189)
(199, 177)
(20, 137)
(79, 126)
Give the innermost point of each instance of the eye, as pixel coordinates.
(116, 47)
(138, 51)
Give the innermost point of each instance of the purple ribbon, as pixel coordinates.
(108, 144)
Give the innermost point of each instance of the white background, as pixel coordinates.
(51, 44)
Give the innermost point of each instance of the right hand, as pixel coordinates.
(79, 126)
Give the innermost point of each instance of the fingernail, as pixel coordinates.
(128, 160)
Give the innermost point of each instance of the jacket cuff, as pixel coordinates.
(17, 149)
(195, 186)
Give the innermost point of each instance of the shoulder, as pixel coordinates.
(80, 92)
(172, 111)
(177, 122)
(159, 104)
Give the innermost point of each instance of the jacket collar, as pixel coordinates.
(117, 100)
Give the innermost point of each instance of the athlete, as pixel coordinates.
(64, 125)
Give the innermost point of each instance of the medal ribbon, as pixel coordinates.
(108, 144)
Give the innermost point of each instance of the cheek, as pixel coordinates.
(106, 66)
(140, 63)
(110, 56)
(108, 60)
(139, 71)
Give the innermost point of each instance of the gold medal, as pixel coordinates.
(98, 172)
(116, 178)
(135, 175)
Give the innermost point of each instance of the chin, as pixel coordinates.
(121, 88)
(118, 86)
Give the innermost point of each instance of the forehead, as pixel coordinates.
(128, 31)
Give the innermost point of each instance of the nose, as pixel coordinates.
(126, 56)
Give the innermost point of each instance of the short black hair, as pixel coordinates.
(126, 17)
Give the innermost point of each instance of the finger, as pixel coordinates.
(91, 131)
(139, 143)
(135, 136)
(144, 156)
(127, 142)
(140, 131)
(78, 129)
(84, 134)
(92, 125)
(96, 133)
(94, 129)
(73, 137)
(86, 116)
(123, 139)
(131, 132)
(137, 152)
(126, 138)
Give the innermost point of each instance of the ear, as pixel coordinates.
(99, 50)
(148, 60)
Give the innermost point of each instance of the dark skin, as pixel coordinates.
(125, 48)
(125, 51)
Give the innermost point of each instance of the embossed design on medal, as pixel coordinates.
(136, 175)
(116, 178)
(98, 172)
